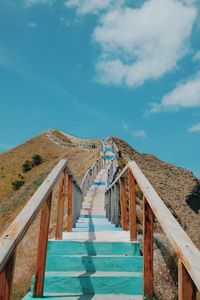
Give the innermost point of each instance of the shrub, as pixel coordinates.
(27, 166)
(18, 183)
(37, 160)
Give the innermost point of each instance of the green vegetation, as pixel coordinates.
(27, 166)
(30, 164)
(37, 160)
(18, 183)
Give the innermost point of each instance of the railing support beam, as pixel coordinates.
(42, 248)
(132, 207)
(147, 251)
(60, 207)
(123, 204)
(69, 204)
(186, 287)
(6, 278)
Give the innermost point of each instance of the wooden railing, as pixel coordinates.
(188, 255)
(41, 202)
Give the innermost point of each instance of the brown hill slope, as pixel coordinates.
(11, 202)
(11, 165)
(179, 188)
(180, 191)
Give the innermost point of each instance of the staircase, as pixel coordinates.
(96, 260)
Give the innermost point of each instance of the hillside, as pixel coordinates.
(179, 189)
(11, 166)
(51, 148)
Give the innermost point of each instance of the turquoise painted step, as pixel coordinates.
(99, 183)
(93, 216)
(93, 248)
(107, 148)
(85, 297)
(93, 283)
(94, 263)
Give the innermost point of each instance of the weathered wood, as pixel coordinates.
(118, 177)
(60, 207)
(124, 224)
(69, 204)
(42, 248)
(147, 251)
(6, 278)
(117, 205)
(132, 207)
(15, 232)
(180, 241)
(186, 287)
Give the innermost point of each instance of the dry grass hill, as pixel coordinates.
(178, 188)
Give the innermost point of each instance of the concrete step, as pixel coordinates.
(93, 283)
(94, 263)
(61, 296)
(93, 248)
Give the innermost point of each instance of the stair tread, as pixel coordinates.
(64, 296)
(93, 274)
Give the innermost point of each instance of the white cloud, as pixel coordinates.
(195, 128)
(29, 3)
(196, 56)
(92, 6)
(32, 24)
(185, 95)
(139, 133)
(143, 43)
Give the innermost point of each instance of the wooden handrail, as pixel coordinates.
(41, 202)
(91, 168)
(188, 254)
(16, 231)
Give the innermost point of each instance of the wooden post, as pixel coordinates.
(147, 251)
(186, 286)
(69, 206)
(123, 204)
(60, 207)
(132, 207)
(117, 204)
(6, 278)
(42, 248)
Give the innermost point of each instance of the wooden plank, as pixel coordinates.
(69, 204)
(42, 248)
(117, 205)
(60, 207)
(147, 251)
(118, 177)
(124, 224)
(186, 287)
(132, 207)
(180, 241)
(6, 278)
(15, 232)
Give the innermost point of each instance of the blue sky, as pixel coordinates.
(100, 68)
